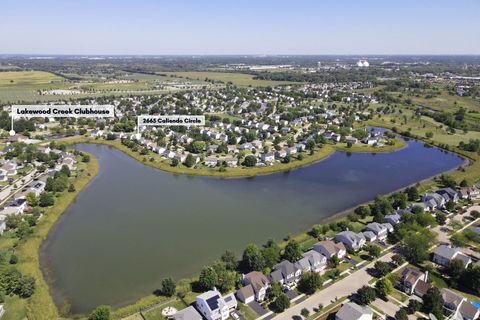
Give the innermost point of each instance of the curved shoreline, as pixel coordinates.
(41, 304)
(237, 172)
(149, 300)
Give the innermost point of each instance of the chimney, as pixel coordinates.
(426, 276)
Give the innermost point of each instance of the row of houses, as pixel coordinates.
(455, 306)
(372, 232)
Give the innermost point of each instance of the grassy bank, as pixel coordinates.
(238, 172)
(40, 305)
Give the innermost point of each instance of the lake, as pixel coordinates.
(134, 225)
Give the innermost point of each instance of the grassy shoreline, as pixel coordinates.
(41, 305)
(238, 172)
(151, 300)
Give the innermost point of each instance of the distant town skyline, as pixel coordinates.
(213, 27)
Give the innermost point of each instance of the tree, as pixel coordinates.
(305, 313)
(412, 193)
(464, 183)
(415, 246)
(455, 269)
(271, 253)
(250, 161)
(226, 279)
(441, 218)
(363, 211)
(276, 290)
(32, 200)
(366, 295)
(401, 315)
(174, 162)
(100, 313)
(292, 252)
(384, 287)
(333, 262)
(46, 200)
(281, 303)
(383, 268)
(71, 188)
(230, 260)
(398, 259)
(448, 181)
(373, 250)
(433, 302)
(253, 259)
(310, 282)
(208, 278)
(168, 287)
(414, 306)
(85, 158)
(189, 161)
(26, 287)
(470, 278)
(197, 146)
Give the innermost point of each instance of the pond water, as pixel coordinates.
(135, 225)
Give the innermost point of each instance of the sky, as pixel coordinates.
(195, 27)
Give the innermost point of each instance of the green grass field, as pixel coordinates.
(239, 79)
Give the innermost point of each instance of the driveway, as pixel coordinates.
(389, 308)
(257, 307)
(342, 288)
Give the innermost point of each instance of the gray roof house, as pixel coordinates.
(379, 229)
(189, 313)
(317, 261)
(393, 219)
(353, 241)
(303, 264)
(369, 236)
(448, 193)
(452, 302)
(353, 311)
(433, 201)
(286, 273)
(444, 254)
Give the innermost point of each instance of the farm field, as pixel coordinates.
(239, 79)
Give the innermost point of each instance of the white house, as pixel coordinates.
(329, 249)
(213, 306)
(353, 241)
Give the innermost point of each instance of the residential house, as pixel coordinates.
(468, 311)
(180, 157)
(231, 161)
(351, 140)
(452, 302)
(280, 154)
(10, 168)
(411, 278)
(433, 201)
(444, 254)
(259, 284)
(353, 311)
(448, 194)
(317, 261)
(19, 205)
(369, 236)
(469, 193)
(379, 229)
(268, 157)
(329, 249)
(211, 161)
(245, 294)
(353, 241)
(189, 313)
(393, 219)
(286, 273)
(36, 187)
(213, 306)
